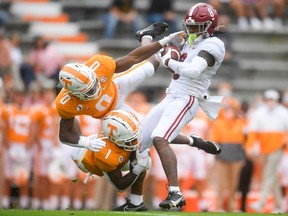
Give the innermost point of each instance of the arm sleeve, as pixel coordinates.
(189, 70)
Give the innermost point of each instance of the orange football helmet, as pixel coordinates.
(122, 128)
(80, 80)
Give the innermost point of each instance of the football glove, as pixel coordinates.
(169, 38)
(144, 162)
(92, 142)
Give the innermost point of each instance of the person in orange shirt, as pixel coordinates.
(268, 126)
(122, 135)
(45, 119)
(228, 132)
(93, 194)
(17, 140)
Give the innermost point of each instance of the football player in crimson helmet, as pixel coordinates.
(200, 21)
(201, 56)
(121, 131)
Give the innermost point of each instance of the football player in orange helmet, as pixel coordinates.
(122, 134)
(93, 89)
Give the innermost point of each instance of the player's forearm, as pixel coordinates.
(189, 70)
(126, 181)
(69, 132)
(141, 53)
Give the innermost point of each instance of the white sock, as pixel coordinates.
(147, 36)
(35, 203)
(77, 204)
(175, 188)
(54, 200)
(24, 201)
(136, 199)
(46, 204)
(90, 204)
(191, 141)
(5, 202)
(65, 202)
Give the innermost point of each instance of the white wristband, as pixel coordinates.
(83, 141)
(191, 141)
(164, 41)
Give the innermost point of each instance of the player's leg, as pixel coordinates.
(178, 112)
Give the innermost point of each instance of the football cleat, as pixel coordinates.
(174, 199)
(128, 206)
(153, 30)
(207, 146)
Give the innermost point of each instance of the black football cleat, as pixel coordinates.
(174, 199)
(128, 206)
(207, 146)
(153, 30)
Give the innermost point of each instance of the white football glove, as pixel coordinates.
(169, 38)
(165, 57)
(144, 162)
(92, 143)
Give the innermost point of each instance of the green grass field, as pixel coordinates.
(110, 213)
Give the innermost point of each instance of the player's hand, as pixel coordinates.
(92, 143)
(169, 38)
(165, 57)
(143, 162)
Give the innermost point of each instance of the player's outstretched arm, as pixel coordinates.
(142, 53)
(70, 134)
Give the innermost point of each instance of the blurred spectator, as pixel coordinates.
(2, 95)
(247, 169)
(228, 131)
(17, 138)
(84, 195)
(45, 60)
(285, 98)
(45, 141)
(123, 11)
(5, 58)
(222, 6)
(3, 18)
(162, 11)
(17, 59)
(268, 127)
(230, 61)
(272, 20)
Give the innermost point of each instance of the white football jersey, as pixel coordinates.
(198, 86)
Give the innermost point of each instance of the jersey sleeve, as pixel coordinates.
(64, 109)
(102, 65)
(215, 47)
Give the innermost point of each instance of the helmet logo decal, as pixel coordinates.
(112, 129)
(66, 81)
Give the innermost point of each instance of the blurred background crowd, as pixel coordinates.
(38, 36)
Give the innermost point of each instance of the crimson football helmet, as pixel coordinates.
(122, 128)
(80, 80)
(202, 18)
